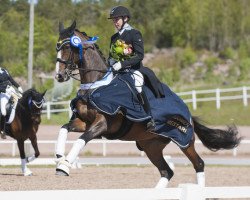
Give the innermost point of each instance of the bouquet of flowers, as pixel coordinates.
(121, 51)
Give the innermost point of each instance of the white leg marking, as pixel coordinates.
(61, 141)
(77, 147)
(163, 183)
(26, 171)
(200, 178)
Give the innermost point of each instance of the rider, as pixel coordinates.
(127, 51)
(5, 80)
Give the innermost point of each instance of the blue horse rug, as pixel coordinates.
(171, 115)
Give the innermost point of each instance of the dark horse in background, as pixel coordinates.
(95, 124)
(25, 125)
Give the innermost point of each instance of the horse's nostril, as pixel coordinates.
(59, 77)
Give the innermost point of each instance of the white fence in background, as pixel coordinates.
(194, 96)
(218, 95)
(102, 142)
(183, 192)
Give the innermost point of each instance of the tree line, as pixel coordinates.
(213, 25)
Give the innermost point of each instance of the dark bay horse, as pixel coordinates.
(88, 61)
(25, 125)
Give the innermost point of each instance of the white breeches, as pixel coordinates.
(4, 100)
(12, 115)
(139, 80)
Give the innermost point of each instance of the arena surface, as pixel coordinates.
(114, 177)
(92, 177)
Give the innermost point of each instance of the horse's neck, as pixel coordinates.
(94, 67)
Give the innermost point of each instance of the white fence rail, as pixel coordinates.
(218, 95)
(194, 96)
(102, 142)
(183, 192)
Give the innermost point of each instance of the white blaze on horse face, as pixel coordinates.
(59, 55)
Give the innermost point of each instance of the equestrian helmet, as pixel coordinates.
(119, 11)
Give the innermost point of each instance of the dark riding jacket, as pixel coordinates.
(131, 37)
(134, 37)
(6, 79)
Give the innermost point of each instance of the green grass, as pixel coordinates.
(232, 111)
(56, 119)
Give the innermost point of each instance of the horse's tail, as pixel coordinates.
(216, 139)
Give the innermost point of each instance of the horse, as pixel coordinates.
(25, 125)
(86, 60)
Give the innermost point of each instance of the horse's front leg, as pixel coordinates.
(25, 170)
(74, 125)
(98, 127)
(33, 140)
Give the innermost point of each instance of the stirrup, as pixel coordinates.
(151, 125)
(3, 135)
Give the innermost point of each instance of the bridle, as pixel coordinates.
(37, 104)
(70, 65)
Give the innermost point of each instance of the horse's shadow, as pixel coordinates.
(8, 174)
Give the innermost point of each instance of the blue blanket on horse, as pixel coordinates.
(171, 114)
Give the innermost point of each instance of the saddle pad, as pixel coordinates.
(171, 115)
(119, 95)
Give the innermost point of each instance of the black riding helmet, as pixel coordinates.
(119, 11)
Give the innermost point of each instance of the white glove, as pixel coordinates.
(117, 66)
(111, 61)
(20, 89)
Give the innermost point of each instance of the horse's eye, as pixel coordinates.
(66, 47)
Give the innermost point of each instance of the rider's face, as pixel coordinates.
(118, 23)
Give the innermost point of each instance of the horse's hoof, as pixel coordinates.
(63, 168)
(28, 173)
(61, 173)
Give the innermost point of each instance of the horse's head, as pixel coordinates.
(76, 51)
(32, 101)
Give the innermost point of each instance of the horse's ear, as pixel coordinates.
(61, 27)
(44, 93)
(73, 25)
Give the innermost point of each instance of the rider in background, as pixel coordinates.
(5, 80)
(127, 52)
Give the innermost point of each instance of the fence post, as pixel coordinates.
(191, 191)
(48, 110)
(104, 149)
(218, 98)
(13, 149)
(194, 99)
(244, 90)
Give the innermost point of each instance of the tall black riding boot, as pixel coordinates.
(3, 134)
(146, 106)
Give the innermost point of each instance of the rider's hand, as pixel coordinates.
(117, 66)
(111, 61)
(20, 89)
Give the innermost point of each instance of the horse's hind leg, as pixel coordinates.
(197, 162)
(153, 149)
